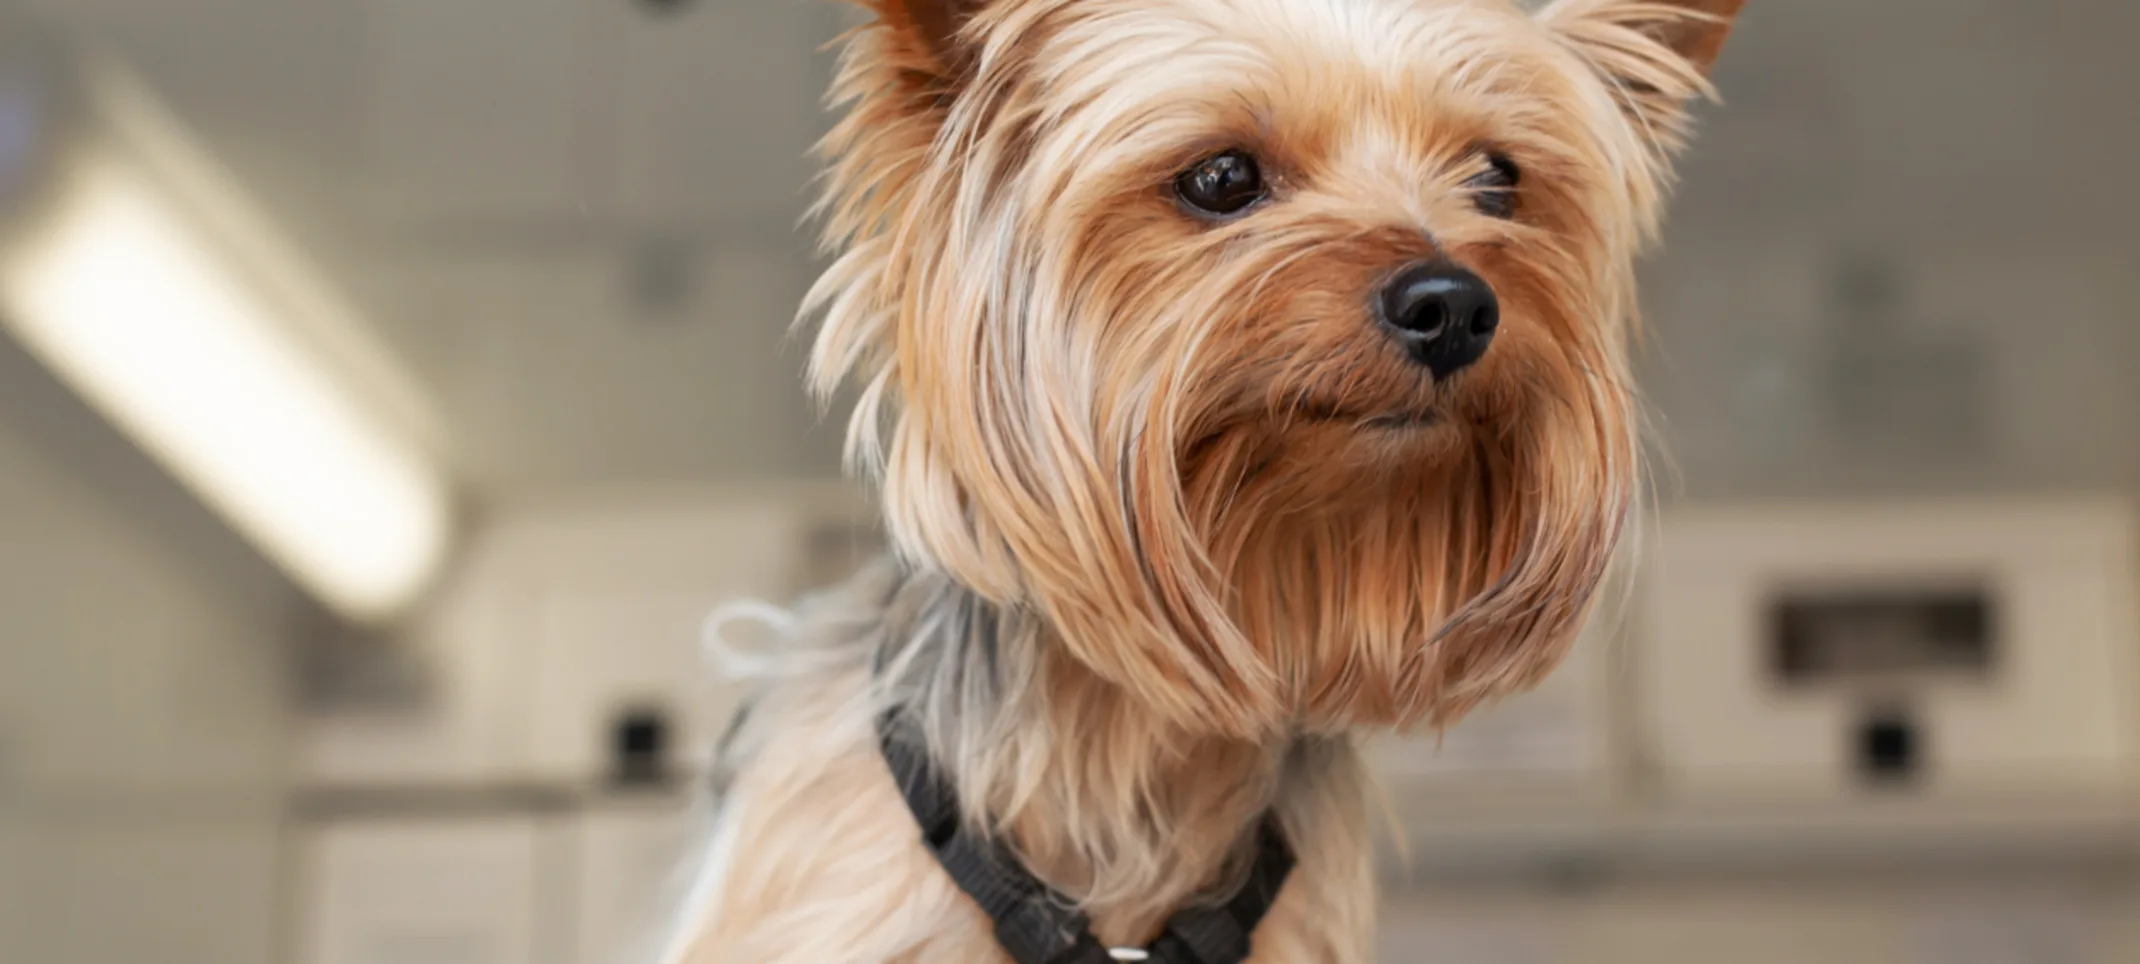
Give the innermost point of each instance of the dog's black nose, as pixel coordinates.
(1442, 314)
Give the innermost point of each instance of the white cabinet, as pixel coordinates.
(616, 602)
(487, 822)
(1825, 683)
(575, 622)
(1932, 651)
(606, 668)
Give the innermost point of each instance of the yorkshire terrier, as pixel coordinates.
(1241, 377)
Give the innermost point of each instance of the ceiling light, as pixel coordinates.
(139, 275)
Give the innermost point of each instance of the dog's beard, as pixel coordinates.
(1409, 592)
(1279, 574)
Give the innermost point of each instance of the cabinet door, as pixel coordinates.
(435, 891)
(633, 876)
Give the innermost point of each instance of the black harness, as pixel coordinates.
(1035, 924)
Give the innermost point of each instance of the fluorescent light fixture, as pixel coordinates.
(153, 294)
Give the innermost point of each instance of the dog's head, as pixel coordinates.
(1274, 351)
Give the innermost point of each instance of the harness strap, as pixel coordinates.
(1035, 924)
(1220, 935)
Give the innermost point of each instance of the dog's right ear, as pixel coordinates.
(933, 30)
(1626, 33)
(1655, 54)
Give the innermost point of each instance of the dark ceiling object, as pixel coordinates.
(665, 7)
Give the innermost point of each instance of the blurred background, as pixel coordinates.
(389, 388)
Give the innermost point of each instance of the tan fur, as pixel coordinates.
(1161, 552)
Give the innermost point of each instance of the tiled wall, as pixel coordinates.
(142, 702)
(1959, 148)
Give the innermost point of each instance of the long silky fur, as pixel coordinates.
(1156, 563)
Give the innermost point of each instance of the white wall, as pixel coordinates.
(142, 704)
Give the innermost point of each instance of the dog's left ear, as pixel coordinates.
(1656, 53)
(932, 29)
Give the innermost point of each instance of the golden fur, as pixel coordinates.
(1174, 519)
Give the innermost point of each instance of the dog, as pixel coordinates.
(1240, 377)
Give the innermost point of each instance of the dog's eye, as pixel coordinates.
(1493, 191)
(1222, 184)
